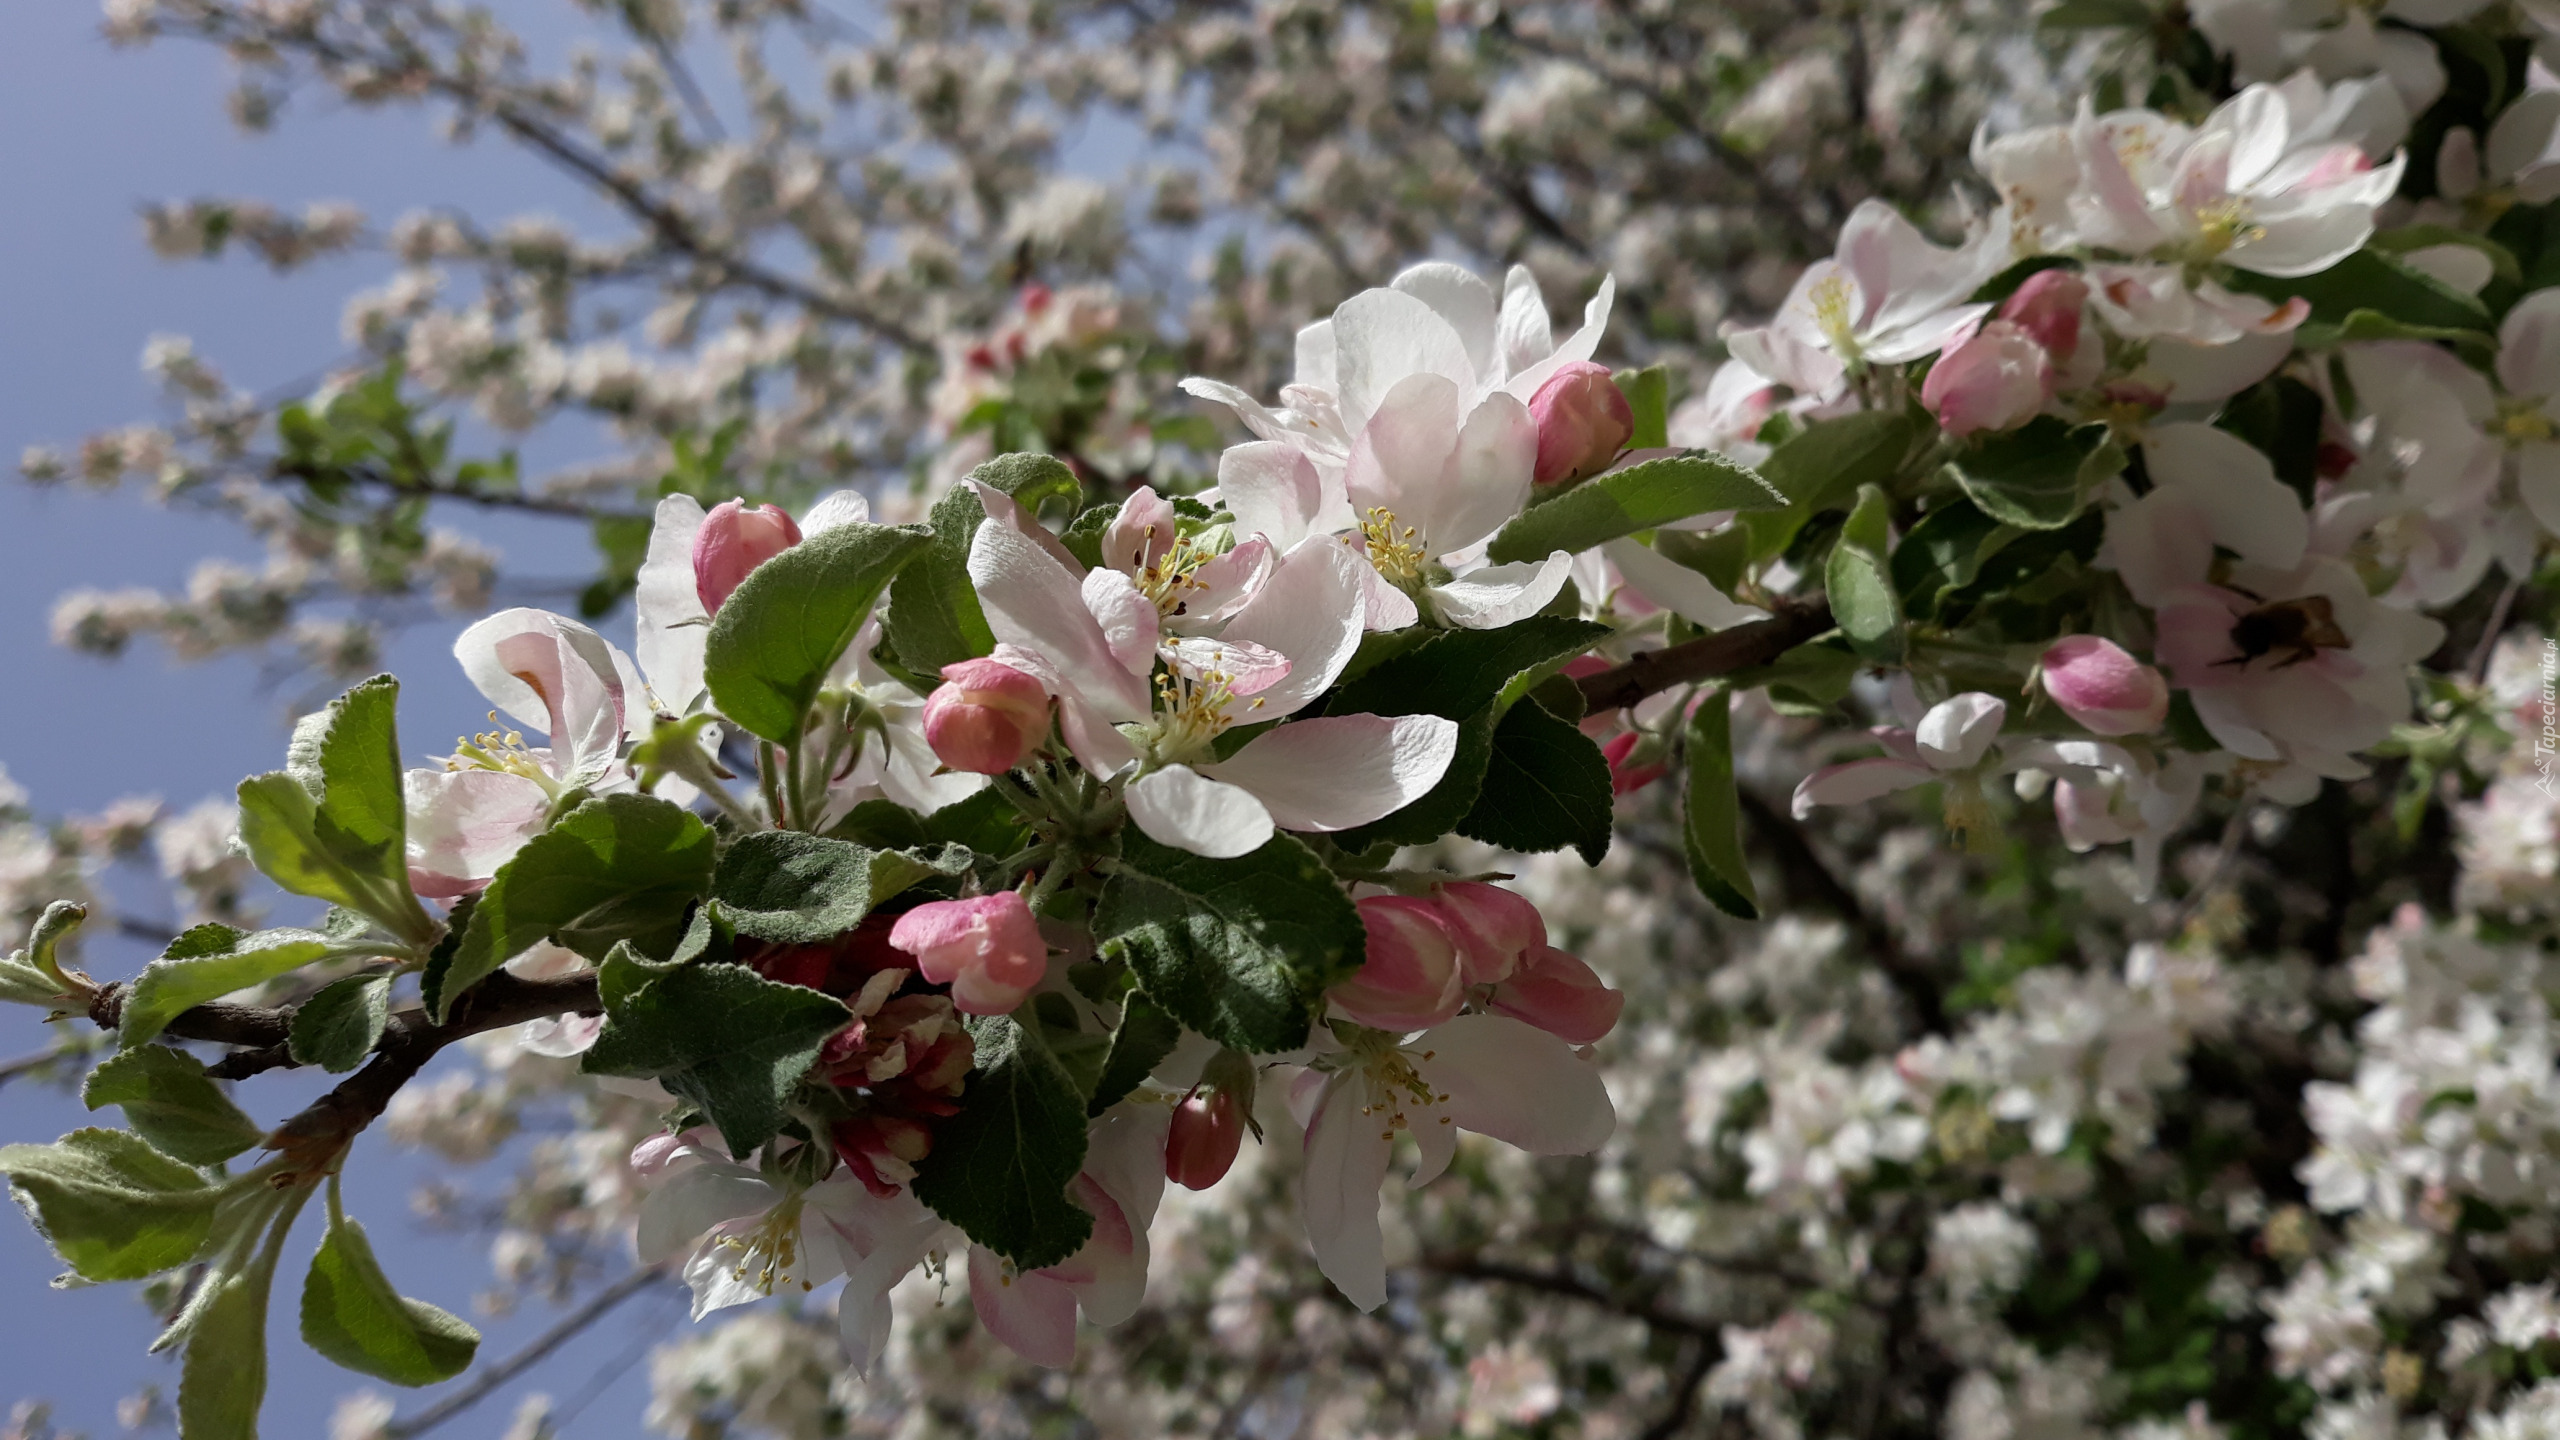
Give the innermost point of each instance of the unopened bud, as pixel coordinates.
(1997, 380)
(1208, 1129)
(987, 949)
(2098, 684)
(985, 716)
(732, 542)
(2048, 308)
(1410, 979)
(1559, 994)
(1630, 771)
(1583, 422)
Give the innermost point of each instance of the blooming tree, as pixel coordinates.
(936, 908)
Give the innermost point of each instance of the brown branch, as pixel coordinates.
(1810, 878)
(1743, 647)
(1467, 1265)
(490, 1379)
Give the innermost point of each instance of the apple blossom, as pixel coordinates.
(2098, 684)
(1495, 929)
(732, 542)
(1886, 296)
(988, 949)
(1555, 991)
(985, 716)
(1951, 742)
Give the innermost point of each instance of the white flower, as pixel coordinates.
(1886, 296)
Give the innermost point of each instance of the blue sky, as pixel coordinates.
(92, 133)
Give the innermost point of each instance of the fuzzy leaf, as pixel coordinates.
(113, 1207)
(172, 1104)
(352, 1316)
(337, 1028)
(1000, 1168)
(790, 621)
(721, 1036)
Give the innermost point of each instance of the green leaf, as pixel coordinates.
(1711, 824)
(1639, 497)
(1472, 677)
(1944, 552)
(2097, 15)
(1861, 584)
(1240, 950)
(799, 889)
(2371, 280)
(1000, 1168)
(2475, 346)
(208, 962)
(171, 1103)
(934, 616)
(723, 1037)
(1546, 787)
(337, 1028)
(333, 823)
(352, 1316)
(985, 822)
(788, 623)
(223, 1379)
(2036, 476)
(113, 1207)
(1146, 1034)
(620, 867)
(1648, 393)
(1821, 467)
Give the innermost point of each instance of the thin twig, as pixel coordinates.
(2487, 649)
(1742, 647)
(488, 1381)
(2234, 830)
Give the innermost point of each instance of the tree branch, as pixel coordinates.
(485, 1383)
(1742, 647)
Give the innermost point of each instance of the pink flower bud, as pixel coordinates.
(1583, 422)
(1997, 380)
(1141, 534)
(1411, 979)
(985, 716)
(732, 542)
(1627, 774)
(2098, 684)
(2048, 307)
(988, 950)
(1208, 1129)
(1557, 993)
(1495, 929)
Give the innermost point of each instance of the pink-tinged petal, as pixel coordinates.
(2226, 716)
(1332, 772)
(1141, 534)
(1127, 617)
(1272, 490)
(1246, 668)
(2157, 544)
(1382, 337)
(1492, 596)
(1518, 1084)
(1561, 995)
(1180, 807)
(554, 675)
(1033, 602)
(2196, 373)
(1496, 929)
(464, 824)
(1401, 460)
(1346, 1163)
(1090, 736)
(1310, 610)
(1857, 782)
(670, 622)
(1383, 606)
(1219, 587)
(560, 1037)
(1034, 1315)
(1958, 731)
(1409, 977)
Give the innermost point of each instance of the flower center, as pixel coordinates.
(2223, 224)
(1191, 711)
(1395, 549)
(770, 1252)
(1169, 581)
(1395, 1084)
(1830, 300)
(503, 751)
(2522, 422)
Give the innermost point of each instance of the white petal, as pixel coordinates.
(1034, 1315)
(1492, 596)
(1346, 1163)
(1858, 781)
(464, 824)
(554, 675)
(1332, 772)
(670, 621)
(1383, 606)
(1518, 1084)
(1675, 587)
(1382, 336)
(1271, 489)
(2538, 482)
(1582, 344)
(1957, 731)
(1034, 602)
(692, 1201)
(2232, 482)
(1400, 459)
(1495, 463)
(1180, 807)
(1127, 617)
(1435, 1138)
(833, 509)
(1523, 335)
(1463, 299)
(1311, 610)
(2529, 346)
